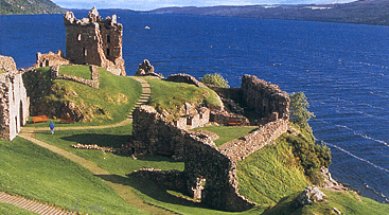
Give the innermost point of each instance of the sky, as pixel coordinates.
(153, 4)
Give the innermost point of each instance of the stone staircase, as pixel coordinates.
(33, 206)
(144, 97)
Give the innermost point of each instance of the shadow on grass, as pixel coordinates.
(103, 140)
(157, 158)
(149, 188)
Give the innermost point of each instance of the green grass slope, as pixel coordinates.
(122, 165)
(29, 7)
(228, 133)
(36, 173)
(10, 209)
(110, 137)
(172, 96)
(271, 174)
(76, 70)
(110, 103)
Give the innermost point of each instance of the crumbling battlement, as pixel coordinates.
(14, 103)
(50, 59)
(96, 41)
(209, 176)
(267, 101)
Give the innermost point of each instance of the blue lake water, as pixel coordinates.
(342, 68)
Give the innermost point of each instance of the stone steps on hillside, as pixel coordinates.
(32, 205)
(144, 97)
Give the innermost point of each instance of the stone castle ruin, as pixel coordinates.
(96, 41)
(210, 171)
(89, 41)
(14, 102)
(50, 59)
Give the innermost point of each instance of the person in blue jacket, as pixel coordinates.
(52, 126)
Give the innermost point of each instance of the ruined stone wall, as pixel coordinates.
(14, 104)
(185, 78)
(217, 173)
(209, 175)
(266, 101)
(50, 59)
(228, 118)
(153, 135)
(95, 41)
(94, 82)
(198, 118)
(241, 148)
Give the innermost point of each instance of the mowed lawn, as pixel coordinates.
(228, 133)
(36, 173)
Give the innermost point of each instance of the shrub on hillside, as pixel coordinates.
(299, 112)
(312, 156)
(215, 80)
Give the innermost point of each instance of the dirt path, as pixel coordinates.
(120, 188)
(32, 206)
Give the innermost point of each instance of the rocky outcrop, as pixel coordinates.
(264, 101)
(7, 63)
(95, 41)
(185, 78)
(146, 69)
(310, 195)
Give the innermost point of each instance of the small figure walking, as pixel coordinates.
(52, 126)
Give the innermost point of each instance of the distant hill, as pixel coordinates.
(29, 7)
(362, 11)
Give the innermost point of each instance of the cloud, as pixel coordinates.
(153, 4)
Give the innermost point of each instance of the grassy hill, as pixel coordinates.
(171, 96)
(272, 177)
(271, 174)
(111, 103)
(50, 178)
(346, 202)
(29, 7)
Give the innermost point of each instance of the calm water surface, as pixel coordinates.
(343, 69)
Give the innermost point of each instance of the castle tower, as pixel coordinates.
(96, 41)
